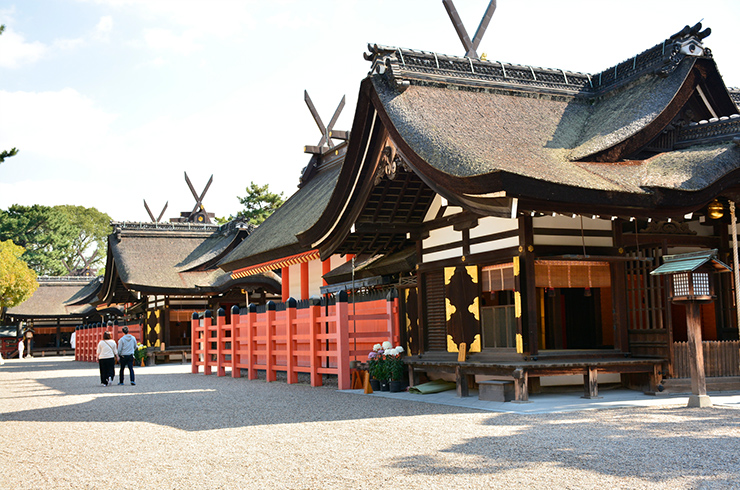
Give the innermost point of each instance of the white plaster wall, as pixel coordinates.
(433, 208)
(444, 254)
(570, 223)
(441, 236)
(497, 245)
(491, 225)
(295, 282)
(314, 279)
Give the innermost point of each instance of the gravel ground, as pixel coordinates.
(60, 429)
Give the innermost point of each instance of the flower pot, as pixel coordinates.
(385, 385)
(375, 384)
(397, 386)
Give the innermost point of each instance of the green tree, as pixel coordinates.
(92, 228)
(17, 280)
(44, 232)
(259, 203)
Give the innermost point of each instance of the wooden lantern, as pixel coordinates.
(691, 284)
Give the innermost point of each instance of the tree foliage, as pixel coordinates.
(17, 280)
(44, 232)
(55, 236)
(259, 203)
(92, 229)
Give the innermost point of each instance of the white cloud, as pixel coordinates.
(15, 51)
(52, 125)
(166, 40)
(103, 29)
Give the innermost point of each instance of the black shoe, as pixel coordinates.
(132, 383)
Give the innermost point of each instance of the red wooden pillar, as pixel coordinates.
(304, 280)
(269, 338)
(207, 324)
(290, 316)
(251, 326)
(314, 328)
(194, 344)
(325, 269)
(236, 333)
(220, 343)
(285, 278)
(342, 319)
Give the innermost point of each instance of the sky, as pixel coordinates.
(110, 102)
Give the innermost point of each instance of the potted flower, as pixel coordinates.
(140, 354)
(395, 368)
(376, 367)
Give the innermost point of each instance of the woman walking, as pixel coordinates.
(107, 358)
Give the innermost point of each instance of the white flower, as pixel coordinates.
(387, 345)
(399, 349)
(391, 352)
(376, 347)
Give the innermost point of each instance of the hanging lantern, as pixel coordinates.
(715, 209)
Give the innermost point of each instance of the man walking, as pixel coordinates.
(126, 349)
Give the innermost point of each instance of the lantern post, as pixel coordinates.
(691, 285)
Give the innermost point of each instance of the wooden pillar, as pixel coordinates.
(304, 281)
(342, 319)
(290, 316)
(285, 278)
(236, 335)
(315, 329)
(270, 324)
(526, 285)
(325, 269)
(207, 323)
(194, 343)
(251, 321)
(220, 343)
(699, 396)
(590, 383)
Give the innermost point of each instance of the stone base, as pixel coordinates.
(496, 391)
(699, 401)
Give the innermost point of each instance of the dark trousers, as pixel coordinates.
(107, 369)
(127, 362)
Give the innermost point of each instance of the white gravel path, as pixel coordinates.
(174, 430)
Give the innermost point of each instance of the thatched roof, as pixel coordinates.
(173, 258)
(52, 297)
(276, 236)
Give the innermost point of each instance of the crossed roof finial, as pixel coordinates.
(327, 132)
(470, 46)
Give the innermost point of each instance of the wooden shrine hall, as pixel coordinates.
(536, 202)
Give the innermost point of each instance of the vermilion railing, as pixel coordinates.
(88, 336)
(315, 339)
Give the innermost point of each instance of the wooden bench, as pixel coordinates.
(154, 354)
(520, 371)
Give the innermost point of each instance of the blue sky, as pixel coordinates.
(110, 101)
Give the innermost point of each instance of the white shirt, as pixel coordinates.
(107, 349)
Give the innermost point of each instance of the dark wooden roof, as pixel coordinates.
(276, 237)
(51, 299)
(172, 258)
(653, 134)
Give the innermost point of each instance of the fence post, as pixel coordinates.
(194, 344)
(314, 327)
(270, 320)
(220, 352)
(344, 381)
(207, 322)
(290, 316)
(236, 371)
(391, 309)
(251, 320)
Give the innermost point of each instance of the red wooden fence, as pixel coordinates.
(314, 339)
(88, 336)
